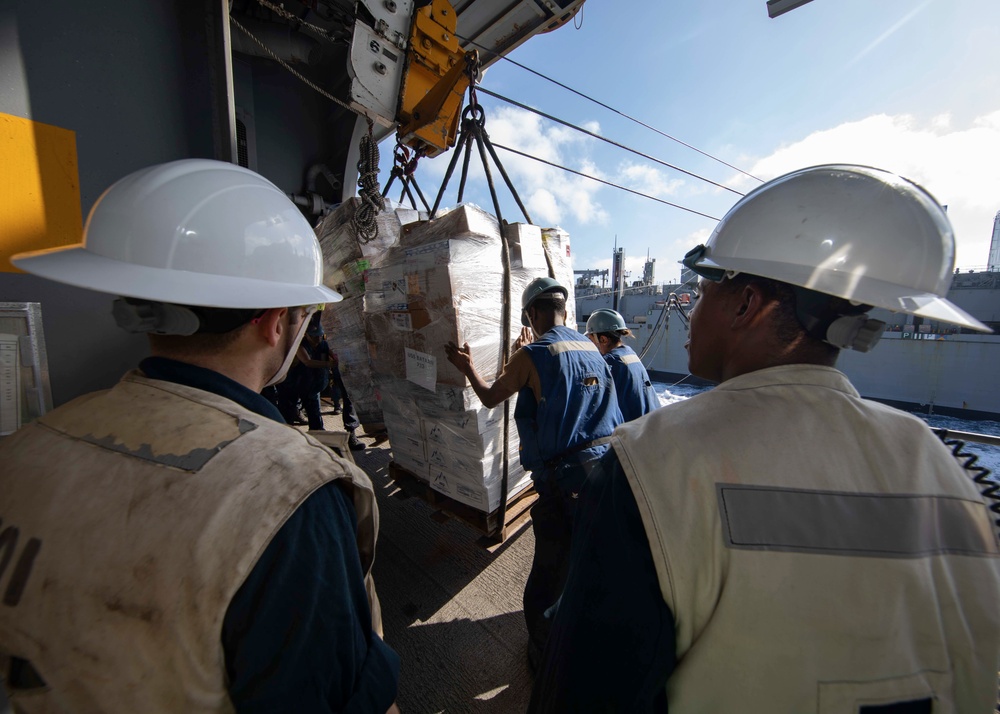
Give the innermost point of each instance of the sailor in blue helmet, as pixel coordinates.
(606, 328)
(778, 543)
(566, 411)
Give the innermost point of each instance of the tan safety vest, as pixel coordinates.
(819, 552)
(132, 517)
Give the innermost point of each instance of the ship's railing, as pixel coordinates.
(966, 278)
(972, 436)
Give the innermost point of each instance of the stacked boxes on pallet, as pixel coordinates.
(444, 282)
(457, 451)
(346, 260)
(556, 243)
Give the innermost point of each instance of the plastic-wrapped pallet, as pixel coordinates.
(343, 323)
(449, 439)
(556, 242)
(444, 282)
(346, 260)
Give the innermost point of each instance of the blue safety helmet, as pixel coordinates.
(536, 288)
(605, 320)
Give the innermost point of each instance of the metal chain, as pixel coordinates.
(403, 169)
(372, 203)
(472, 69)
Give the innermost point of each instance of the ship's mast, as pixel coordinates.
(617, 274)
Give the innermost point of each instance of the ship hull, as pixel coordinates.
(948, 374)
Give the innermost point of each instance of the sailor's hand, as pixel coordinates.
(525, 338)
(459, 356)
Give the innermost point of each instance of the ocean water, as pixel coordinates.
(987, 455)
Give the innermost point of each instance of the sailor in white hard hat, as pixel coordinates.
(636, 396)
(778, 543)
(163, 511)
(566, 410)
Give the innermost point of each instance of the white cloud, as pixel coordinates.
(941, 121)
(960, 166)
(648, 180)
(698, 237)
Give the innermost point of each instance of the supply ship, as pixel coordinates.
(918, 365)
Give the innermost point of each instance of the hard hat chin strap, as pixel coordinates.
(855, 332)
(824, 319)
(159, 318)
(164, 318)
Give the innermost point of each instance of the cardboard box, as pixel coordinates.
(412, 464)
(399, 427)
(345, 258)
(472, 467)
(484, 497)
(465, 220)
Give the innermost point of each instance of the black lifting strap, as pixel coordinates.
(403, 169)
(473, 130)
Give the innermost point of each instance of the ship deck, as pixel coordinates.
(451, 608)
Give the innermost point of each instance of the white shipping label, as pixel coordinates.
(402, 321)
(421, 369)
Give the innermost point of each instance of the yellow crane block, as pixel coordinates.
(39, 188)
(434, 81)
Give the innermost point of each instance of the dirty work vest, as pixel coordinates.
(146, 507)
(632, 384)
(578, 403)
(819, 552)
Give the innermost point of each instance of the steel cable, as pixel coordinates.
(612, 109)
(606, 140)
(607, 183)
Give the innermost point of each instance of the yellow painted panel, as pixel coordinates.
(39, 188)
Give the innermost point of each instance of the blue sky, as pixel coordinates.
(911, 86)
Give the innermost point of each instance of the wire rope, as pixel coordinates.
(606, 183)
(605, 139)
(612, 109)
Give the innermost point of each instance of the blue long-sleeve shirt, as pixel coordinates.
(297, 634)
(612, 644)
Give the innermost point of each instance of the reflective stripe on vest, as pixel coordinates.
(578, 402)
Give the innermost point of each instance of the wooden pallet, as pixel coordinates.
(516, 517)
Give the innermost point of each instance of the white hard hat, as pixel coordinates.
(193, 232)
(855, 232)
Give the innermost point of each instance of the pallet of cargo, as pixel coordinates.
(496, 528)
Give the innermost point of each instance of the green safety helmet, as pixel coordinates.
(605, 320)
(535, 289)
